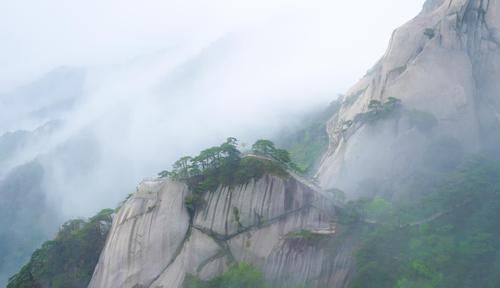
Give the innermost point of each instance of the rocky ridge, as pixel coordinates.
(154, 242)
(449, 54)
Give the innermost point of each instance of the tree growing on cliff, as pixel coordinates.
(181, 167)
(223, 165)
(264, 147)
(164, 174)
(281, 155)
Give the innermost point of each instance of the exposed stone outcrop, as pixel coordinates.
(150, 228)
(443, 65)
(154, 243)
(445, 62)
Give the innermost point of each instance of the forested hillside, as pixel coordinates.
(450, 237)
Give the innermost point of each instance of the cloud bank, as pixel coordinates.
(165, 78)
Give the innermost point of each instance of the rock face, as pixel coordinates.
(445, 64)
(444, 67)
(154, 242)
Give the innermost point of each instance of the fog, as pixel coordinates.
(344, 37)
(163, 79)
(110, 92)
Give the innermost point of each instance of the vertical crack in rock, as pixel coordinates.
(174, 256)
(130, 242)
(231, 243)
(227, 209)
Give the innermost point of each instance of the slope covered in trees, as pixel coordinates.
(308, 142)
(69, 260)
(241, 275)
(449, 238)
(226, 165)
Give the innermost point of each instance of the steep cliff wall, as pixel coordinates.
(445, 63)
(155, 243)
(443, 66)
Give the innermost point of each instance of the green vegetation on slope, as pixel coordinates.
(224, 165)
(241, 275)
(450, 238)
(24, 217)
(378, 110)
(309, 142)
(393, 107)
(69, 260)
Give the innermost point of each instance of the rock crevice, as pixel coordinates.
(268, 210)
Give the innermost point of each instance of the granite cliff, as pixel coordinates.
(444, 67)
(432, 98)
(388, 125)
(155, 242)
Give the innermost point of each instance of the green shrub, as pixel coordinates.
(379, 111)
(194, 201)
(236, 215)
(306, 235)
(241, 275)
(255, 168)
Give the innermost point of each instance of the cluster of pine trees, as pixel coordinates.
(225, 164)
(224, 155)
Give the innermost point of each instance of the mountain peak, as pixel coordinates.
(448, 54)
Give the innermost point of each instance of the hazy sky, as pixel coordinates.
(167, 78)
(343, 38)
